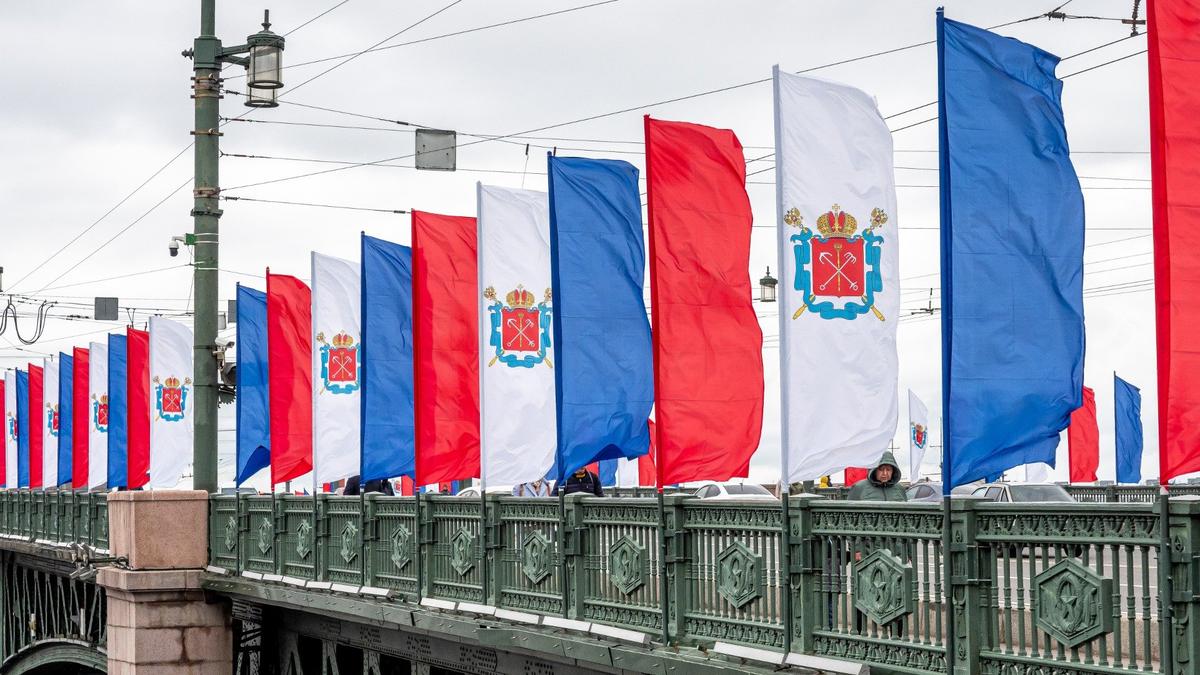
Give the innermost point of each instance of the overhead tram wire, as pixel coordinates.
(323, 206)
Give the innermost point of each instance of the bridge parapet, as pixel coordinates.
(55, 517)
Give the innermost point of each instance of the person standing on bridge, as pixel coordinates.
(882, 484)
(581, 481)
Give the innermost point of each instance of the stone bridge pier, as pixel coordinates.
(159, 620)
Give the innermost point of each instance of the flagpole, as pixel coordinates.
(785, 477)
(479, 313)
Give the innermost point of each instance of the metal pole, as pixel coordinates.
(1166, 589)
(663, 586)
(785, 493)
(206, 86)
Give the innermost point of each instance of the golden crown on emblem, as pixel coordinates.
(342, 340)
(836, 223)
(519, 298)
(171, 382)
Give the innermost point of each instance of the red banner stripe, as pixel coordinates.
(138, 411)
(289, 377)
(1083, 440)
(80, 419)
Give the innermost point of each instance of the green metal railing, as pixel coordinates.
(1062, 588)
(55, 516)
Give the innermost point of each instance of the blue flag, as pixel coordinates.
(253, 404)
(118, 412)
(1012, 255)
(22, 429)
(1128, 414)
(604, 374)
(66, 390)
(608, 472)
(388, 432)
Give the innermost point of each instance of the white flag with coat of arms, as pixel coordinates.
(337, 366)
(839, 299)
(918, 434)
(10, 429)
(518, 431)
(98, 415)
(172, 402)
(47, 415)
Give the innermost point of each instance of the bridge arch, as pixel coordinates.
(56, 657)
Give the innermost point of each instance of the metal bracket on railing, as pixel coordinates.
(88, 564)
(676, 545)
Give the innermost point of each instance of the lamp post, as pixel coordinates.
(264, 65)
(766, 287)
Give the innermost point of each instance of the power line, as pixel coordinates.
(324, 206)
(119, 276)
(315, 18)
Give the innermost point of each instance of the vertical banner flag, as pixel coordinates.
(170, 377)
(853, 474)
(253, 400)
(138, 407)
(81, 419)
(337, 362)
(66, 420)
(517, 420)
(604, 372)
(708, 381)
(839, 302)
(918, 434)
(22, 429)
(48, 422)
(10, 429)
(627, 472)
(1083, 440)
(97, 416)
(1012, 255)
(35, 426)
(1127, 407)
(388, 436)
(289, 374)
(445, 306)
(1174, 146)
(118, 411)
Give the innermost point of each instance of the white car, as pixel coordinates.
(724, 491)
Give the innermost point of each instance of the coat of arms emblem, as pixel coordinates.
(837, 268)
(170, 397)
(339, 363)
(52, 419)
(11, 426)
(100, 412)
(920, 435)
(520, 329)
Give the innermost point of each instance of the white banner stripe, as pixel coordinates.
(172, 402)
(337, 377)
(97, 403)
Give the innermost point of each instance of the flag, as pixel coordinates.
(118, 411)
(708, 382)
(22, 429)
(35, 426)
(517, 420)
(81, 419)
(48, 422)
(406, 487)
(289, 371)
(253, 400)
(66, 419)
(10, 429)
(388, 437)
(1127, 405)
(603, 371)
(607, 471)
(918, 434)
(337, 361)
(138, 407)
(1083, 440)
(839, 302)
(1012, 255)
(853, 474)
(1175, 189)
(172, 399)
(627, 471)
(445, 305)
(97, 416)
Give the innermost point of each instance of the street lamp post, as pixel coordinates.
(264, 63)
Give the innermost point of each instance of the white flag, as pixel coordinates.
(517, 417)
(839, 295)
(172, 402)
(10, 429)
(48, 418)
(918, 434)
(337, 364)
(627, 472)
(98, 415)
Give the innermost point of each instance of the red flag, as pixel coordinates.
(445, 347)
(1083, 440)
(80, 419)
(854, 474)
(1175, 191)
(35, 426)
(407, 488)
(289, 376)
(708, 379)
(138, 411)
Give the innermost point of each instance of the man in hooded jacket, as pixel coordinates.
(882, 483)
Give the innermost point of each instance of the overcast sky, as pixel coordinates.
(86, 122)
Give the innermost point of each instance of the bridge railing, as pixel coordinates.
(1064, 588)
(55, 517)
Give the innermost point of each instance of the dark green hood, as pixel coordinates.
(889, 459)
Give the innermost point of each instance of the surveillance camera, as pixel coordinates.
(173, 247)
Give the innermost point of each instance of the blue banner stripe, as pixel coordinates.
(66, 391)
(253, 405)
(118, 416)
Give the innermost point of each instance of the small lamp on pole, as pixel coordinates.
(264, 70)
(766, 287)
